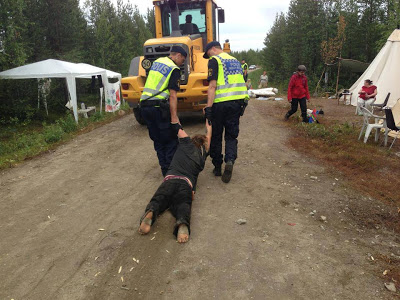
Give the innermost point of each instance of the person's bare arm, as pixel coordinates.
(373, 94)
(208, 134)
(173, 106)
(212, 87)
(182, 134)
(361, 92)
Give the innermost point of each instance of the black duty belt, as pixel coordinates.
(152, 103)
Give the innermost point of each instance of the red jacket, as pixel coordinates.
(298, 87)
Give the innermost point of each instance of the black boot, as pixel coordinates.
(287, 116)
(227, 172)
(217, 171)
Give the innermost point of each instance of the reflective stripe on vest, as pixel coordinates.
(158, 79)
(230, 82)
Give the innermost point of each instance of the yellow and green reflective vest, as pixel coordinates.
(158, 79)
(245, 65)
(230, 83)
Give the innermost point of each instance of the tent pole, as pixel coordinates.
(72, 92)
(101, 100)
(337, 79)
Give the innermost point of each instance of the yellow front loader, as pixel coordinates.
(190, 24)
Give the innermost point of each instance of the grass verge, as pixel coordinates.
(30, 143)
(368, 168)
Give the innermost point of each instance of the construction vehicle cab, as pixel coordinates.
(190, 24)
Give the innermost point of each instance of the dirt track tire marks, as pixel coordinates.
(54, 206)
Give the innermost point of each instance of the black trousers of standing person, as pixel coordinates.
(225, 115)
(303, 107)
(175, 195)
(165, 141)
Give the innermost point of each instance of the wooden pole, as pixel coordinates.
(337, 79)
(316, 89)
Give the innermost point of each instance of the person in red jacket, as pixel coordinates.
(298, 93)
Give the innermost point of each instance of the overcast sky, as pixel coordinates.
(246, 24)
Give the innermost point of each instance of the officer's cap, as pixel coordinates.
(209, 46)
(179, 49)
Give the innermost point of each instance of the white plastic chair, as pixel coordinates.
(367, 126)
(358, 107)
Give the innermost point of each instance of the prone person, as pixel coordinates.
(177, 190)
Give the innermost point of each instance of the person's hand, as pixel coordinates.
(208, 113)
(308, 100)
(290, 100)
(175, 127)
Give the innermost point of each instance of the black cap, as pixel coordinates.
(179, 49)
(209, 46)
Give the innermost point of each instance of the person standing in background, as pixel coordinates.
(298, 93)
(245, 68)
(263, 81)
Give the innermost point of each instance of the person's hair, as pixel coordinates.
(189, 18)
(199, 140)
(175, 53)
(368, 80)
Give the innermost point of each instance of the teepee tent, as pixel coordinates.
(384, 71)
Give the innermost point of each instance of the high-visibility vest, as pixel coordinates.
(158, 79)
(245, 65)
(230, 83)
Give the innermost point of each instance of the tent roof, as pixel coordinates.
(384, 71)
(110, 74)
(395, 36)
(52, 68)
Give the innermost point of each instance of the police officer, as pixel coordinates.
(161, 116)
(227, 99)
(245, 67)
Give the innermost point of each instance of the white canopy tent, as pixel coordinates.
(52, 68)
(384, 71)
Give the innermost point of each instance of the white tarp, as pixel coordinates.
(52, 68)
(267, 92)
(384, 71)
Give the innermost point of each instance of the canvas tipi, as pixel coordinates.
(384, 71)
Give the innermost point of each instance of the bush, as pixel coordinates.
(53, 133)
(97, 116)
(67, 123)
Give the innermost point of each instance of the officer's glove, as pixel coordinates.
(208, 114)
(244, 105)
(175, 127)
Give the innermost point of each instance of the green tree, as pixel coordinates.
(14, 50)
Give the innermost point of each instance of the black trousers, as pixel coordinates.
(225, 115)
(175, 195)
(165, 141)
(303, 107)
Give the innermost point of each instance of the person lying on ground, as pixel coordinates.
(177, 190)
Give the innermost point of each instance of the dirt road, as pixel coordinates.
(68, 223)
